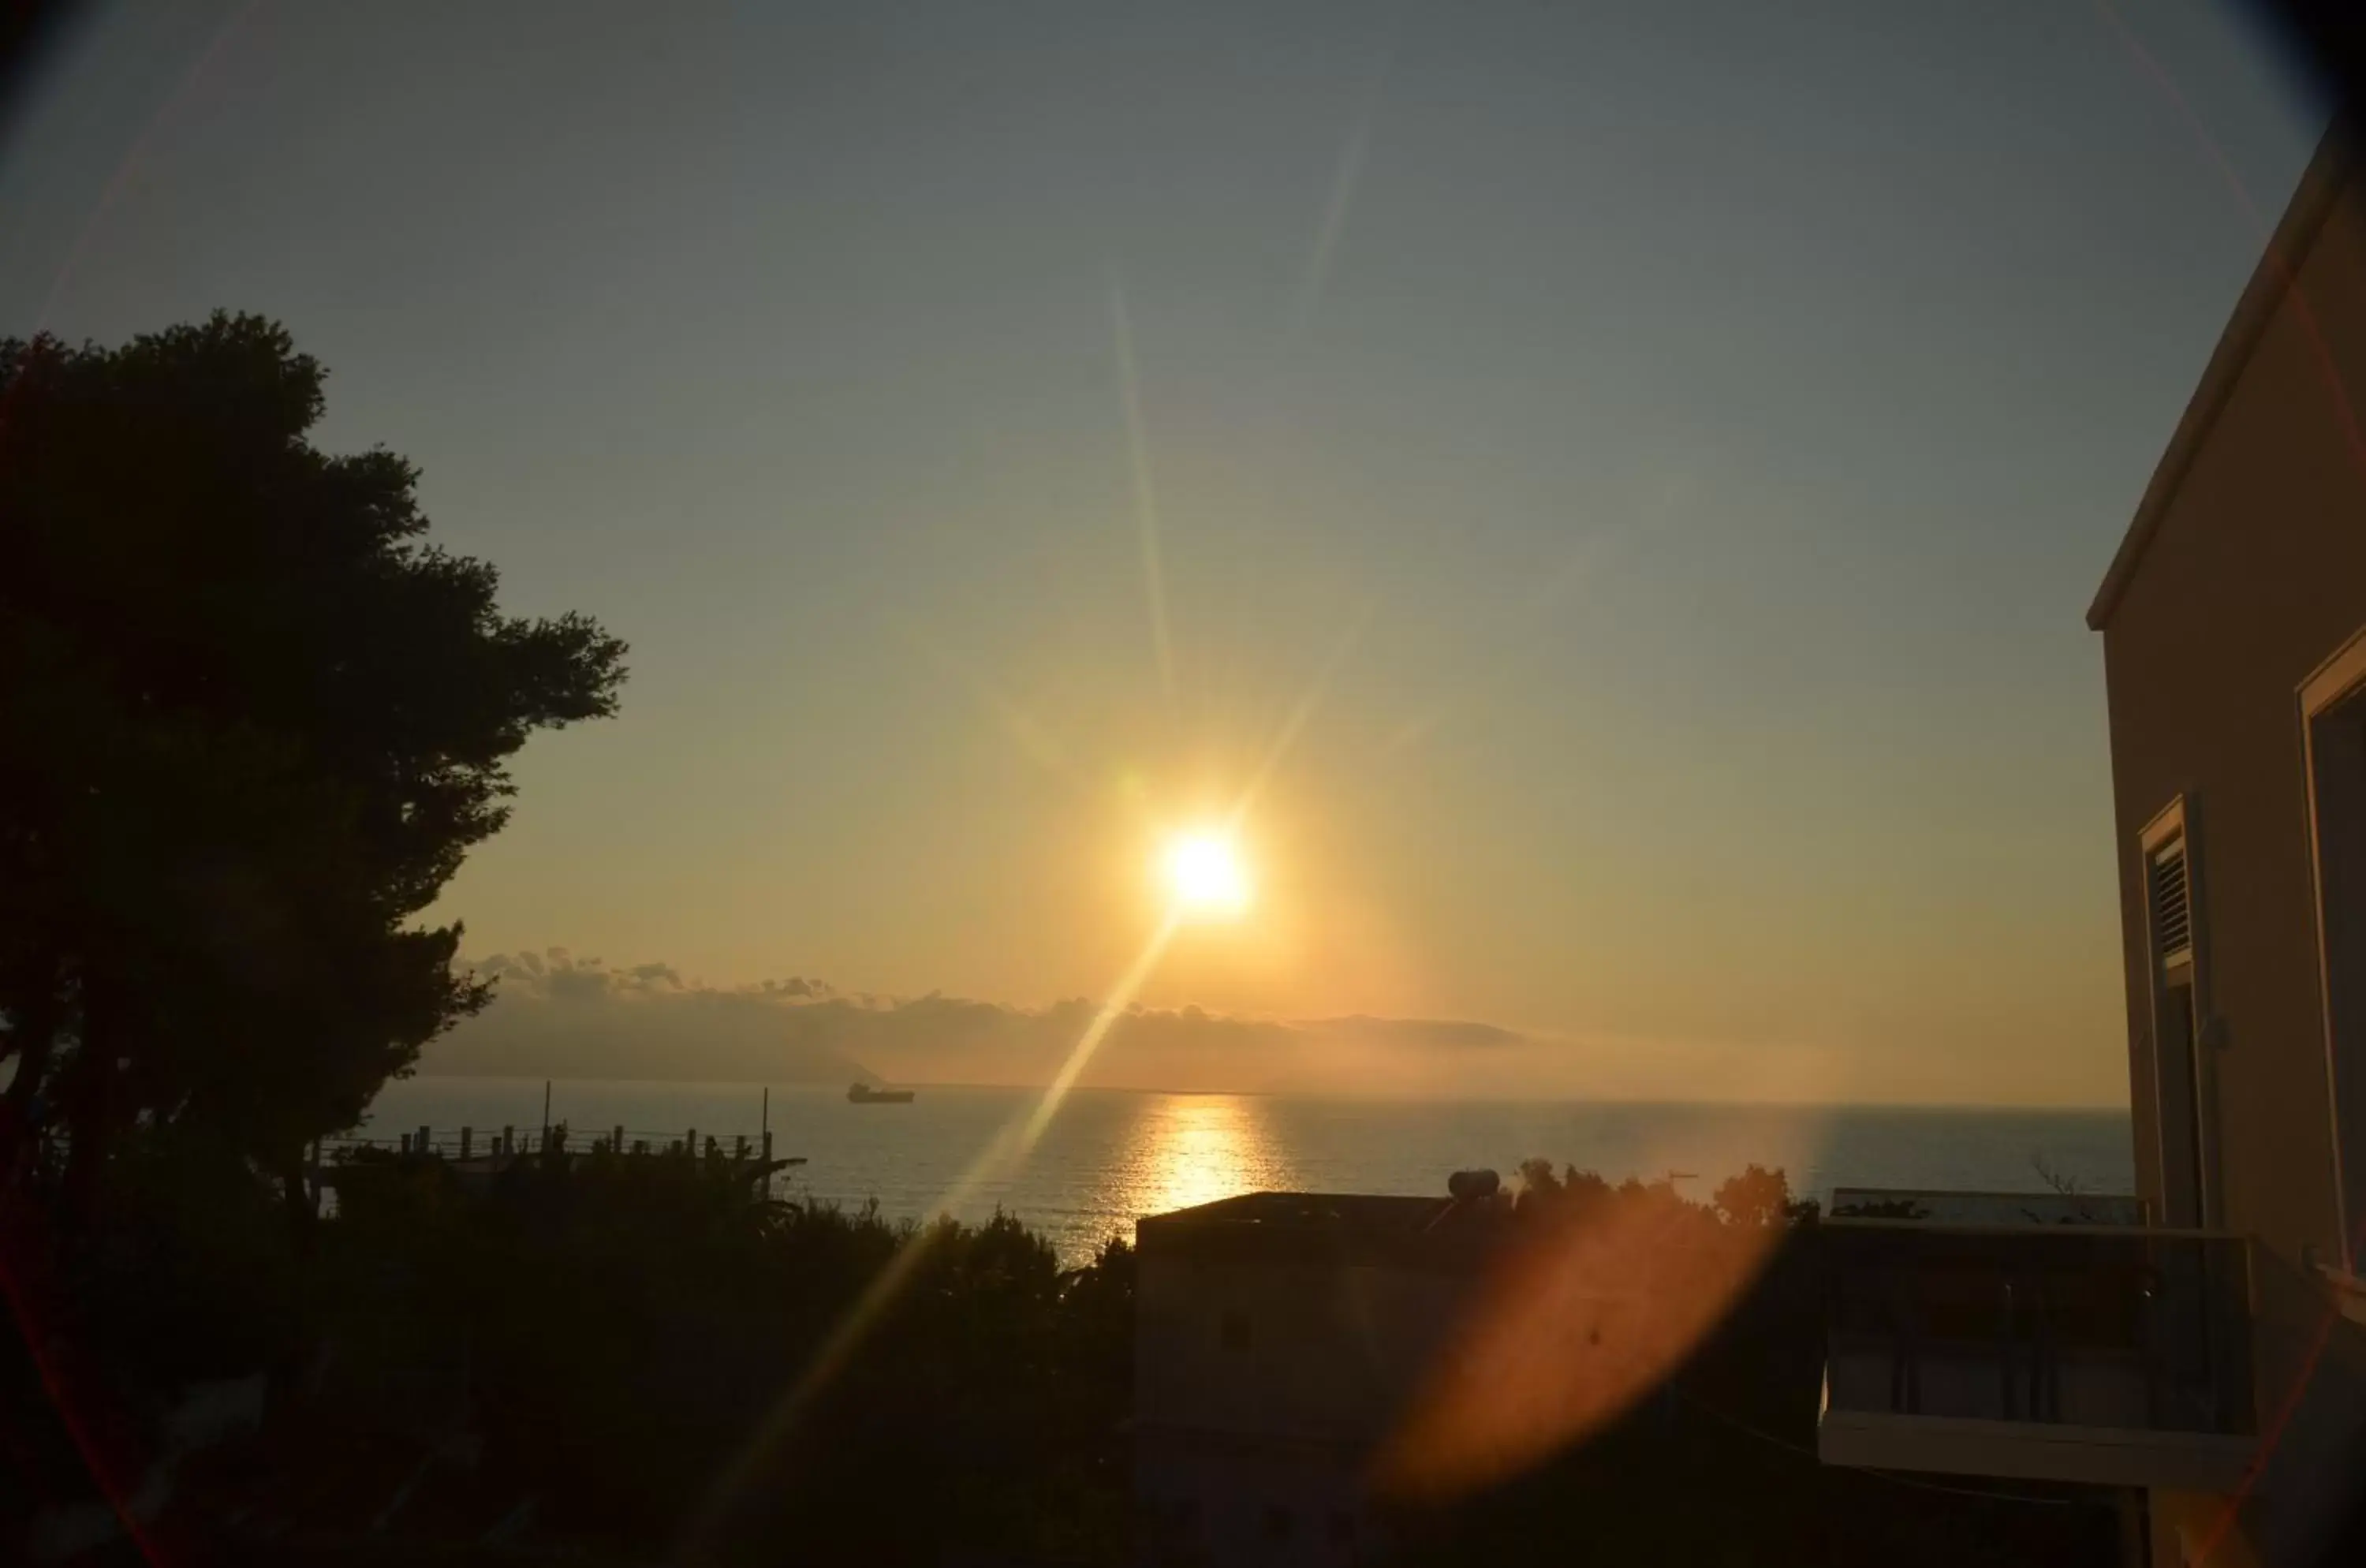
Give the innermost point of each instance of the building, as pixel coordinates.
(2212, 1357)
(1315, 1370)
(2234, 626)
(1277, 1337)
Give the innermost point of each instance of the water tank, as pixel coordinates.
(1474, 1184)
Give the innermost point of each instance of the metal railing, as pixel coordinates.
(2094, 1326)
(513, 1142)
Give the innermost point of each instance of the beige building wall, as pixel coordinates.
(2245, 572)
(2256, 574)
(1268, 1372)
(1316, 1349)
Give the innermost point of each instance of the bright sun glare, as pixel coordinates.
(1205, 873)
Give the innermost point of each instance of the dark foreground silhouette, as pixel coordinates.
(560, 1366)
(565, 1360)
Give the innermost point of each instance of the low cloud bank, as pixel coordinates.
(555, 1015)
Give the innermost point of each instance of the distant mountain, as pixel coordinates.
(584, 1022)
(558, 1016)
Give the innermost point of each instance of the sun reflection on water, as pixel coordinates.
(1196, 1148)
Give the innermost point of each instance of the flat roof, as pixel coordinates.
(1364, 1211)
(1319, 1228)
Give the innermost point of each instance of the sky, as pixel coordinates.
(1614, 486)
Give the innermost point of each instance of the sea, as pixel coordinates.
(1085, 1169)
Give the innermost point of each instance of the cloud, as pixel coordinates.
(556, 1015)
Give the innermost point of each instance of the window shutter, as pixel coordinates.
(2172, 902)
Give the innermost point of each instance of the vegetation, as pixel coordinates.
(585, 1346)
(1758, 1196)
(254, 720)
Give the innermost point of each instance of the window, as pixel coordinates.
(2333, 713)
(2182, 1079)
(1233, 1330)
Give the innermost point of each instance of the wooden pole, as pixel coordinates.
(546, 1111)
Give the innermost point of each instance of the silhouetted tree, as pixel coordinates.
(1761, 1197)
(253, 720)
(1537, 1182)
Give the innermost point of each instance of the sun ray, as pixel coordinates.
(1344, 183)
(1033, 739)
(1586, 562)
(1019, 1136)
(1012, 1144)
(1145, 489)
(1300, 715)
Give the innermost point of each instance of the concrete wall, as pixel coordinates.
(1330, 1349)
(1262, 1385)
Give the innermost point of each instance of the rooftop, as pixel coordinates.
(1332, 1227)
(1360, 1211)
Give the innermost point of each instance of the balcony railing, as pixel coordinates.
(2112, 1354)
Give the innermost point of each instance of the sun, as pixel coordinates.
(1205, 876)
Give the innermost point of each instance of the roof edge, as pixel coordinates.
(2329, 168)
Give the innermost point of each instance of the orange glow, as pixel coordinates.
(1577, 1324)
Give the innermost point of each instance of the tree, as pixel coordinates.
(1761, 1197)
(252, 722)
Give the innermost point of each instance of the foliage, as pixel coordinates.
(610, 1335)
(634, 1320)
(1757, 1197)
(1762, 1197)
(255, 720)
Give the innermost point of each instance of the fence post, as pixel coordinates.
(465, 1134)
(768, 1146)
(509, 1140)
(738, 1148)
(616, 1141)
(690, 1146)
(426, 1142)
(406, 1143)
